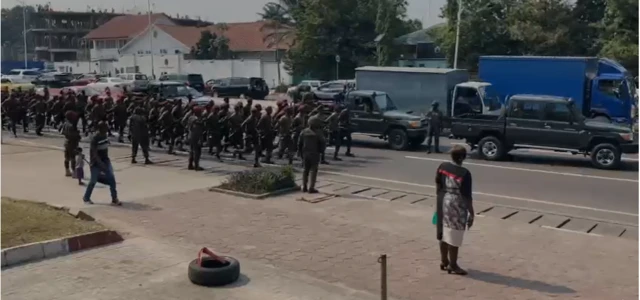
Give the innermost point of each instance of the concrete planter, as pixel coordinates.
(218, 189)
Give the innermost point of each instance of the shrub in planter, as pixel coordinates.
(282, 88)
(261, 181)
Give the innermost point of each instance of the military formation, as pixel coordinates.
(295, 131)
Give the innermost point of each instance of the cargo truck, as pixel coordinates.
(601, 88)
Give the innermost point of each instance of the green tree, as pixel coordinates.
(211, 46)
(12, 29)
(588, 15)
(279, 26)
(620, 33)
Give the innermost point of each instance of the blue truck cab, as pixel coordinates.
(602, 88)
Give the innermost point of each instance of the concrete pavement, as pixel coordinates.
(297, 250)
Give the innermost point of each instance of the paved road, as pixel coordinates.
(547, 182)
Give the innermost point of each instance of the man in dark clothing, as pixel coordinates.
(246, 110)
(310, 145)
(434, 118)
(196, 130)
(235, 132)
(299, 124)
(265, 129)
(316, 122)
(214, 131)
(344, 123)
(166, 122)
(178, 128)
(100, 164)
(120, 116)
(12, 109)
(284, 132)
(81, 106)
(252, 139)
(139, 136)
(71, 141)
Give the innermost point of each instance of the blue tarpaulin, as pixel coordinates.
(8, 65)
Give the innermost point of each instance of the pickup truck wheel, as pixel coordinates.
(490, 148)
(605, 156)
(398, 139)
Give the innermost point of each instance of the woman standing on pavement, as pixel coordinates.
(454, 208)
(100, 164)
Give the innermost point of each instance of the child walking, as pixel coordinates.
(79, 171)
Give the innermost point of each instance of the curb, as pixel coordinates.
(57, 247)
(254, 196)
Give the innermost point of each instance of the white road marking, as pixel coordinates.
(547, 151)
(484, 194)
(530, 170)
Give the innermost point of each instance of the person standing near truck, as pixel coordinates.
(434, 118)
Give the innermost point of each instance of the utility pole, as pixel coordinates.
(24, 32)
(153, 72)
(455, 55)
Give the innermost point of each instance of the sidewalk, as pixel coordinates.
(336, 242)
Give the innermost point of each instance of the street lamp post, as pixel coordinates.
(24, 32)
(455, 55)
(153, 72)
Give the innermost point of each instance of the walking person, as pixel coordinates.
(71, 142)
(139, 131)
(100, 164)
(435, 124)
(310, 145)
(454, 208)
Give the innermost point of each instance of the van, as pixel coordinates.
(138, 81)
(23, 75)
(193, 80)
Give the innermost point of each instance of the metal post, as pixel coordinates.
(153, 72)
(455, 56)
(24, 32)
(382, 260)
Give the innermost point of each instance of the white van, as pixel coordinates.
(23, 75)
(138, 81)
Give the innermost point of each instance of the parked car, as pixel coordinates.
(110, 82)
(542, 122)
(22, 75)
(54, 80)
(173, 90)
(84, 79)
(312, 84)
(330, 89)
(193, 80)
(254, 87)
(137, 82)
(8, 84)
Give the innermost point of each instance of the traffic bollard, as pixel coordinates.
(382, 260)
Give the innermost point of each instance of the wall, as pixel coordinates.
(8, 65)
(163, 43)
(104, 54)
(76, 66)
(210, 69)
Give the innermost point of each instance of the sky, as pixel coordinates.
(226, 11)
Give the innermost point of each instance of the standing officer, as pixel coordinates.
(344, 123)
(284, 132)
(334, 131)
(196, 130)
(318, 124)
(310, 145)
(434, 118)
(265, 129)
(139, 135)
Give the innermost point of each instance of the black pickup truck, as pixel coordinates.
(373, 113)
(544, 122)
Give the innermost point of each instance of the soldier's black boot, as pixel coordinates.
(133, 160)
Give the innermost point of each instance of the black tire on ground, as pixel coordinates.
(605, 156)
(491, 148)
(214, 273)
(417, 141)
(398, 139)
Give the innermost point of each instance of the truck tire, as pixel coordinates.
(605, 156)
(491, 148)
(398, 139)
(214, 273)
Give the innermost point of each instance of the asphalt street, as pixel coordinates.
(544, 181)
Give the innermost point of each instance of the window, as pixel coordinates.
(239, 81)
(30, 73)
(363, 104)
(558, 112)
(529, 110)
(163, 51)
(610, 87)
(100, 44)
(141, 77)
(110, 44)
(140, 52)
(14, 72)
(121, 43)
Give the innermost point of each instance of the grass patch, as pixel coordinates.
(26, 222)
(261, 181)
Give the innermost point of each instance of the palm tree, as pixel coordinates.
(279, 24)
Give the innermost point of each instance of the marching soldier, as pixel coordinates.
(71, 142)
(310, 145)
(139, 135)
(119, 112)
(334, 131)
(434, 118)
(284, 131)
(265, 129)
(196, 130)
(299, 123)
(235, 132)
(12, 110)
(316, 122)
(251, 135)
(40, 109)
(166, 122)
(214, 131)
(81, 109)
